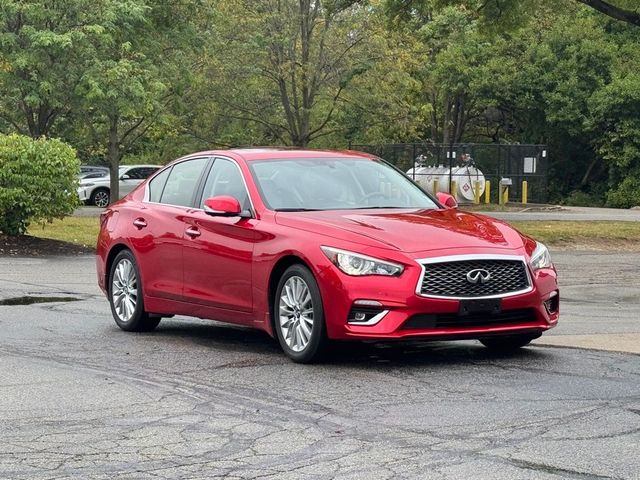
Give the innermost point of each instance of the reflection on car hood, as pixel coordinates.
(407, 230)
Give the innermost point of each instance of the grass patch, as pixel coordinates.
(490, 207)
(84, 231)
(77, 230)
(561, 232)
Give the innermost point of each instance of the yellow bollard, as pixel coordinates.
(525, 188)
(487, 191)
(505, 195)
(435, 186)
(454, 189)
(476, 192)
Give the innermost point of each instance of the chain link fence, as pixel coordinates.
(516, 162)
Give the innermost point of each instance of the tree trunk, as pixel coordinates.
(628, 16)
(587, 174)
(113, 157)
(434, 118)
(459, 119)
(446, 121)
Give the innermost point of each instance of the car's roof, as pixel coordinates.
(140, 166)
(267, 153)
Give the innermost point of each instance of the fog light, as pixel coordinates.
(552, 304)
(365, 315)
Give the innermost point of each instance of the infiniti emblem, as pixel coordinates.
(478, 275)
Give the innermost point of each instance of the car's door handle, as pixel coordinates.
(140, 222)
(193, 232)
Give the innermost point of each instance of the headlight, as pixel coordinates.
(357, 264)
(85, 185)
(540, 258)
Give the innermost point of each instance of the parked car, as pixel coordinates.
(92, 171)
(318, 245)
(95, 189)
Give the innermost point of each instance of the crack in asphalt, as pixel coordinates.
(196, 400)
(281, 409)
(31, 299)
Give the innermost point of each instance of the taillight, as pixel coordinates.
(104, 216)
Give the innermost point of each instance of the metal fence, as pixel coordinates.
(496, 161)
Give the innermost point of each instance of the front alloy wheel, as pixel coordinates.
(299, 317)
(125, 295)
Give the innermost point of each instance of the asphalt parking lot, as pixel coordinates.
(196, 399)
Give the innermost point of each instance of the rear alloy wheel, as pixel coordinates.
(125, 295)
(100, 197)
(299, 316)
(508, 342)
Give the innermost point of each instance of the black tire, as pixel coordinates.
(139, 320)
(315, 346)
(508, 342)
(99, 196)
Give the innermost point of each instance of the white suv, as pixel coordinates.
(95, 191)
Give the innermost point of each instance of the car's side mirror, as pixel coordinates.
(125, 177)
(447, 200)
(224, 206)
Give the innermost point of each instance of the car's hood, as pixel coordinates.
(87, 181)
(407, 230)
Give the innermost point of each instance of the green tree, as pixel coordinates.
(140, 68)
(509, 13)
(283, 65)
(45, 48)
(99, 73)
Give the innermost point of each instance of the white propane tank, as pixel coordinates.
(419, 175)
(466, 178)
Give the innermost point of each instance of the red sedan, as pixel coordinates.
(317, 245)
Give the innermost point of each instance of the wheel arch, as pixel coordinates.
(276, 273)
(115, 250)
(96, 190)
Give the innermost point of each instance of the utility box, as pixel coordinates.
(503, 190)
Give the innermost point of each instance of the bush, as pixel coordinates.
(38, 181)
(626, 194)
(578, 198)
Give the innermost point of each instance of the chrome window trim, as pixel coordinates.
(457, 258)
(145, 198)
(244, 180)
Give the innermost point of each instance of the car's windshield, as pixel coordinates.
(335, 183)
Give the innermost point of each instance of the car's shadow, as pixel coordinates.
(378, 354)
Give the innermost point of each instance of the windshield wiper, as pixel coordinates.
(298, 209)
(387, 206)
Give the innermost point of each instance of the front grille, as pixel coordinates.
(426, 321)
(449, 279)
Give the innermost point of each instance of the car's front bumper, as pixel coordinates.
(84, 193)
(402, 313)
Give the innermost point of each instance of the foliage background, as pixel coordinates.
(148, 80)
(38, 181)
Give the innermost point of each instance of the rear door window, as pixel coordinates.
(183, 180)
(156, 185)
